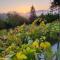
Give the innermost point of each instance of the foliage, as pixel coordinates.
(51, 17)
(25, 41)
(54, 31)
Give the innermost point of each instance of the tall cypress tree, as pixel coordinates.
(32, 14)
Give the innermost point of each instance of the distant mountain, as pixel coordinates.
(38, 13)
(3, 16)
(26, 15)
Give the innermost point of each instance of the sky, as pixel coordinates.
(23, 6)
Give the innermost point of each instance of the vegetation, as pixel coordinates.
(30, 39)
(25, 42)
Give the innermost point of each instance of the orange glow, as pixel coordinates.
(23, 9)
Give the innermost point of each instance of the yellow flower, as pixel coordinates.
(35, 44)
(42, 24)
(45, 45)
(21, 56)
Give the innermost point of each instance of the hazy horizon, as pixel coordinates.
(23, 6)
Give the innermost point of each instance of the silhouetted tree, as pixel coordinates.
(32, 14)
(56, 4)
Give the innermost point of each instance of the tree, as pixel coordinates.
(51, 17)
(56, 4)
(32, 14)
(14, 19)
(2, 24)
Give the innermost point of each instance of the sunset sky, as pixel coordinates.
(23, 6)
